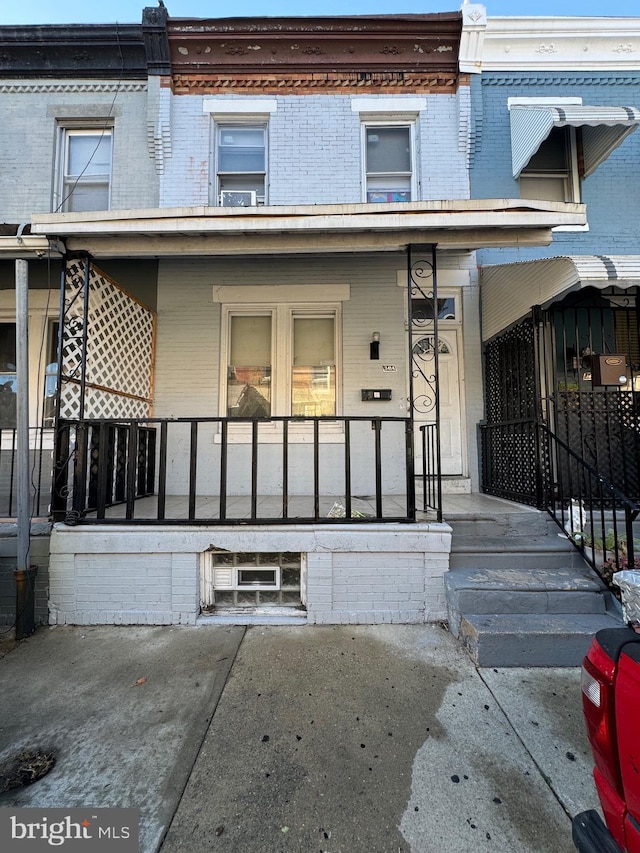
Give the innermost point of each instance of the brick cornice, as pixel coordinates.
(312, 83)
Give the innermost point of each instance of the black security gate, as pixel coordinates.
(513, 462)
(544, 373)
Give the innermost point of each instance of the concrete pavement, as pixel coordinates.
(336, 739)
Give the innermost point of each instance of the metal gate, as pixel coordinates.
(540, 373)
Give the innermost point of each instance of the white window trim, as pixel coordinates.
(397, 107)
(67, 128)
(266, 294)
(258, 108)
(369, 123)
(252, 120)
(543, 102)
(283, 315)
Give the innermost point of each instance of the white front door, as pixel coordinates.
(450, 397)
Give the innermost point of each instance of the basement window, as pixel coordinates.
(232, 580)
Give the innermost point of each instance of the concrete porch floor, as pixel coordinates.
(460, 506)
(480, 506)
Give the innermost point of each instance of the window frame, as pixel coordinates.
(371, 123)
(10, 376)
(250, 123)
(66, 131)
(570, 176)
(41, 323)
(283, 316)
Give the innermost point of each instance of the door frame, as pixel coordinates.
(449, 327)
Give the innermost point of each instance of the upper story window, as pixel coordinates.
(389, 162)
(241, 164)
(552, 172)
(557, 142)
(84, 169)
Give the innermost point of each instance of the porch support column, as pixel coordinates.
(422, 283)
(85, 332)
(24, 574)
(22, 409)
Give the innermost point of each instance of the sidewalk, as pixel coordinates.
(336, 739)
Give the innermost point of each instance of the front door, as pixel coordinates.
(450, 406)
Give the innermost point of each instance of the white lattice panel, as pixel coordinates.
(119, 348)
(69, 400)
(105, 404)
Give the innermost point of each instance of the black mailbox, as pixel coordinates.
(370, 394)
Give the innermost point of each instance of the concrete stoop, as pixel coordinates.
(503, 540)
(519, 593)
(528, 617)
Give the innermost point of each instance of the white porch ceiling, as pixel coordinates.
(168, 232)
(509, 291)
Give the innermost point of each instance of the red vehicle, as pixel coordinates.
(611, 702)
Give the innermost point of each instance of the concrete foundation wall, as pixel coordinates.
(355, 574)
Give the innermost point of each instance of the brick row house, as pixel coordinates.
(253, 250)
(555, 110)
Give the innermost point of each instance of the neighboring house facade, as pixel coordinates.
(265, 427)
(554, 112)
(75, 102)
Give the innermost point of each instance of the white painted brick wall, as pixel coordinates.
(28, 141)
(355, 575)
(188, 349)
(188, 343)
(314, 151)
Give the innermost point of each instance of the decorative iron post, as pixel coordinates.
(422, 310)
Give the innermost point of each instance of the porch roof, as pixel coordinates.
(509, 291)
(451, 224)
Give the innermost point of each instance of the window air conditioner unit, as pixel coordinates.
(247, 578)
(238, 198)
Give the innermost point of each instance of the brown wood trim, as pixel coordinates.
(291, 48)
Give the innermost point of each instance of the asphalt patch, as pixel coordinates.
(25, 768)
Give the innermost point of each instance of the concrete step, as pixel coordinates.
(526, 639)
(530, 525)
(511, 591)
(509, 554)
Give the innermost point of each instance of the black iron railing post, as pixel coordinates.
(628, 523)
(193, 469)
(59, 489)
(410, 466)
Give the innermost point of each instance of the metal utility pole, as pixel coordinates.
(24, 573)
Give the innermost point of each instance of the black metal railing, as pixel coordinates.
(234, 470)
(513, 461)
(525, 461)
(595, 515)
(430, 476)
(40, 468)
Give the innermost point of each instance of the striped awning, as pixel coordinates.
(603, 129)
(509, 291)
